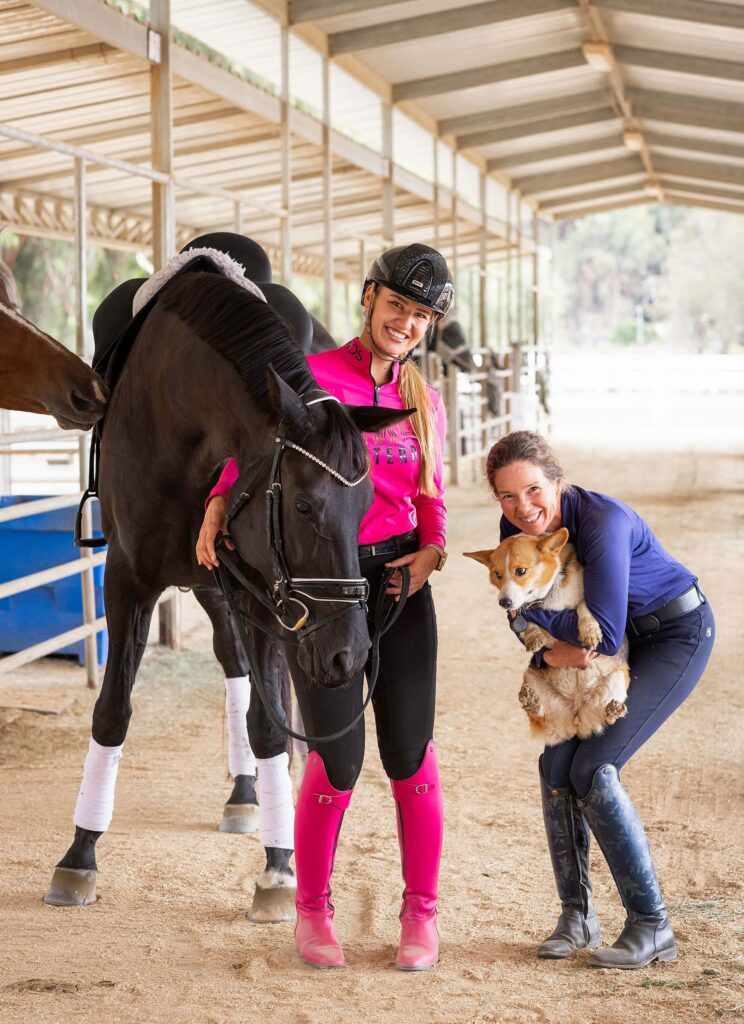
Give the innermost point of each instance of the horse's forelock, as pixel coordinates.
(342, 440)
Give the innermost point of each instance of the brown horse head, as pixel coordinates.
(38, 374)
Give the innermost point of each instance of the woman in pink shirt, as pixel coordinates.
(408, 288)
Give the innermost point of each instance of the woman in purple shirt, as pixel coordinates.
(631, 585)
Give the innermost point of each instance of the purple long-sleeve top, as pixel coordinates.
(627, 572)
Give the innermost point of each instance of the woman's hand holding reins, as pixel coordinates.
(562, 655)
(421, 565)
(215, 520)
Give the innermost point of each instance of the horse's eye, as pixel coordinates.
(302, 506)
(519, 572)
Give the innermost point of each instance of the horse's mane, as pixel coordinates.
(251, 336)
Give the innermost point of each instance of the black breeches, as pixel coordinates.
(664, 668)
(403, 700)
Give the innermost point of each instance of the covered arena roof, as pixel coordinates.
(462, 118)
(582, 104)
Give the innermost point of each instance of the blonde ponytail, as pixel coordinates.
(413, 391)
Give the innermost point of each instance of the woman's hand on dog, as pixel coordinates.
(421, 565)
(562, 655)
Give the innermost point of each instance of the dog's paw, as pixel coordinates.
(530, 701)
(590, 633)
(534, 638)
(614, 710)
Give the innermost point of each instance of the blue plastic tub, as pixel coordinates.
(29, 545)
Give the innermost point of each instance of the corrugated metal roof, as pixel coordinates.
(506, 80)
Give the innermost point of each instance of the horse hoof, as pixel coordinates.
(72, 887)
(271, 906)
(240, 818)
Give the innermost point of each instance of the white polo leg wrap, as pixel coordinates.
(240, 759)
(275, 805)
(95, 802)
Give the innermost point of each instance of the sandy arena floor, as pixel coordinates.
(168, 939)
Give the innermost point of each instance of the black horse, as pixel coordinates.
(213, 372)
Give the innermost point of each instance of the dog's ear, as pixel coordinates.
(481, 556)
(554, 542)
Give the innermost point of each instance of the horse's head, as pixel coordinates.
(318, 489)
(41, 375)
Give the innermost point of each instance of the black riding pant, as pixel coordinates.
(664, 669)
(403, 699)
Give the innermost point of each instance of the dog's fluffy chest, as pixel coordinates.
(567, 591)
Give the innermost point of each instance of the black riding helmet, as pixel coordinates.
(416, 271)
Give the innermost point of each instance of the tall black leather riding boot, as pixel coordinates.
(568, 842)
(647, 934)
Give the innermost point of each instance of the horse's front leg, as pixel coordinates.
(274, 896)
(240, 813)
(129, 606)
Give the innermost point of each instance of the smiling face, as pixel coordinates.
(528, 499)
(397, 324)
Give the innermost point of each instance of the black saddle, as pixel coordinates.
(115, 327)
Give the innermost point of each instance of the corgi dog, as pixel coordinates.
(560, 702)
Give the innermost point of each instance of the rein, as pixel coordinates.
(287, 590)
(386, 613)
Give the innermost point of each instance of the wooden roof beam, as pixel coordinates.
(695, 188)
(471, 78)
(316, 10)
(681, 63)
(711, 147)
(584, 198)
(708, 13)
(456, 19)
(705, 170)
(708, 113)
(487, 119)
(592, 172)
(548, 124)
(538, 156)
(40, 60)
(586, 211)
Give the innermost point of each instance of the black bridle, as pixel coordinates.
(288, 590)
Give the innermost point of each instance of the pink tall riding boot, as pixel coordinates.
(420, 822)
(318, 817)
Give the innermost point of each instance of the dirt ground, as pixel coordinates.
(168, 939)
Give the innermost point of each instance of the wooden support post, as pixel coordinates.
(455, 239)
(388, 188)
(286, 162)
(509, 272)
(327, 199)
(453, 424)
(435, 142)
(483, 266)
(163, 212)
(87, 582)
(520, 273)
(536, 325)
(163, 205)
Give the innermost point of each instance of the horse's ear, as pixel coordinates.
(371, 418)
(287, 404)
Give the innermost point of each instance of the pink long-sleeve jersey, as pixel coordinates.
(398, 506)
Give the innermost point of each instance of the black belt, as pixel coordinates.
(403, 544)
(687, 602)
